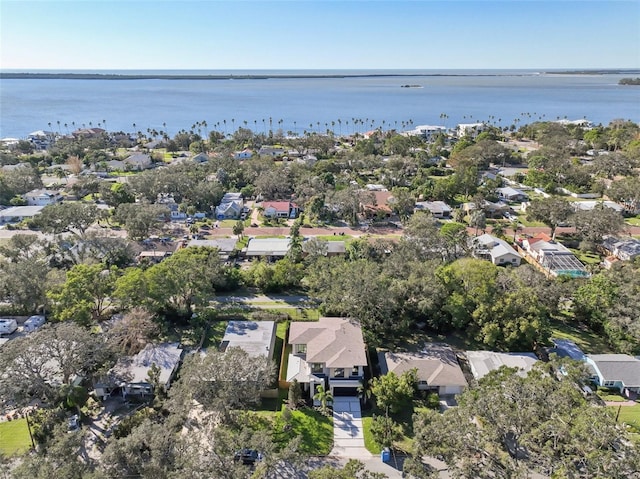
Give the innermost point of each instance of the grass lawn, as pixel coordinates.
(14, 437)
(629, 415)
(315, 429)
(586, 340)
(403, 417)
(586, 258)
(635, 221)
(526, 222)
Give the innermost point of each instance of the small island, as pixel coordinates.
(410, 86)
(629, 81)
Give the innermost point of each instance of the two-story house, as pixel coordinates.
(329, 352)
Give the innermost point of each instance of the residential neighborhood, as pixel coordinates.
(230, 297)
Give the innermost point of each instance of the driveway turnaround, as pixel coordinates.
(348, 434)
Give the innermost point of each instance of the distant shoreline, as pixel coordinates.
(267, 76)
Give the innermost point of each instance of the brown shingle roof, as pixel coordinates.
(436, 364)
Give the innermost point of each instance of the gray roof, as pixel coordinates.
(135, 369)
(225, 245)
(337, 342)
(436, 364)
(254, 337)
(618, 367)
(496, 247)
(268, 246)
(433, 206)
(483, 362)
(22, 211)
(336, 247)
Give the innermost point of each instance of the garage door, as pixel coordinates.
(345, 391)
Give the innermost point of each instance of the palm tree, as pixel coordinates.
(324, 397)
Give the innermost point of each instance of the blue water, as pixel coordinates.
(312, 104)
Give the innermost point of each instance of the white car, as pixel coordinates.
(33, 323)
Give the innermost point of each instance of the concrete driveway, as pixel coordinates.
(348, 434)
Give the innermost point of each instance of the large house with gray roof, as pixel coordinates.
(330, 352)
(618, 371)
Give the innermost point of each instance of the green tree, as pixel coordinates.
(511, 425)
(85, 295)
(325, 397)
(36, 365)
(385, 431)
(594, 224)
(140, 218)
(294, 398)
(75, 218)
(393, 392)
(238, 229)
(185, 279)
(552, 211)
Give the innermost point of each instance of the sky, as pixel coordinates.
(327, 34)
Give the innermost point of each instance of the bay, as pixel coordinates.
(341, 103)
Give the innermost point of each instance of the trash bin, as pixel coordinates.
(385, 455)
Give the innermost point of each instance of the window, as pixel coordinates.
(355, 371)
(317, 368)
(338, 373)
(302, 348)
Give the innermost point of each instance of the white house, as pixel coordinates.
(279, 209)
(33, 323)
(273, 151)
(619, 371)
(256, 338)
(592, 204)
(427, 132)
(436, 364)
(8, 326)
(511, 194)
(130, 375)
(329, 352)
(497, 250)
(15, 214)
(482, 363)
(42, 197)
(439, 209)
(470, 129)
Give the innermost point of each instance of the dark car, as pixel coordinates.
(248, 456)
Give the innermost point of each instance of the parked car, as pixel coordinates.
(8, 326)
(248, 456)
(33, 323)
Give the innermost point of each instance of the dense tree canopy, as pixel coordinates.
(510, 425)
